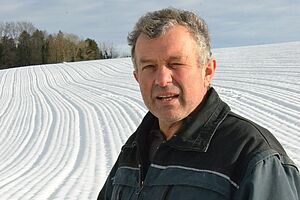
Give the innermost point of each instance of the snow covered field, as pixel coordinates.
(62, 125)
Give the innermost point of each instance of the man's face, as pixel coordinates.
(169, 74)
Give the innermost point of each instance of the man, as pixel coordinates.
(190, 145)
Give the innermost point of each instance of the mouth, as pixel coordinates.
(167, 97)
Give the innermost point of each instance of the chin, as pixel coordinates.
(169, 117)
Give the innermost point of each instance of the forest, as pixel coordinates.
(22, 44)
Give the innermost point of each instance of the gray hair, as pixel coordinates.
(155, 24)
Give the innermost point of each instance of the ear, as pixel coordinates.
(210, 71)
(135, 73)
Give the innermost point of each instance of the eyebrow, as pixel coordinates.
(148, 60)
(145, 60)
(175, 58)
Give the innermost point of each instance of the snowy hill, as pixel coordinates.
(62, 125)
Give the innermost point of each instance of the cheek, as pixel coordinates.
(145, 87)
(192, 85)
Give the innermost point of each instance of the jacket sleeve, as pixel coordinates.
(106, 191)
(274, 177)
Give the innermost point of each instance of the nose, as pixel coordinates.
(163, 76)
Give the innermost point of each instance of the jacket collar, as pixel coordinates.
(199, 127)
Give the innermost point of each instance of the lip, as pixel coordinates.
(167, 98)
(166, 95)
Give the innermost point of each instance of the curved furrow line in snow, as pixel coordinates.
(133, 112)
(252, 98)
(279, 82)
(124, 89)
(99, 74)
(284, 110)
(22, 170)
(5, 101)
(60, 164)
(36, 171)
(7, 90)
(3, 88)
(86, 85)
(79, 170)
(88, 88)
(260, 101)
(111, 135)
(110, 147)
(35, 125)
(96, 71)
(114, 67)
(9, 101)
(80, 189)
(114, 95)
(108, 72)
(86, 95)
(247, 68)
(123, 116)
(27, 153)
(263, 115)
(39, 194)
(20, 127)
(87, 98)
(123, 107)
(277, 100)
(86, 127)
(103, 105)
(85, 76)
(12, 137)
(257, 68)
(99, 90)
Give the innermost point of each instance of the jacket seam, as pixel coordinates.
(196, 170)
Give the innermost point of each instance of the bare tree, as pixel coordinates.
(26, 26)
(14, 29)
(108, 50)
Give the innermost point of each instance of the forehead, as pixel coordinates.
(176, 42)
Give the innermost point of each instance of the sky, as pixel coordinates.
(231, 22)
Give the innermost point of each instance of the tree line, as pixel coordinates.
(22, 44)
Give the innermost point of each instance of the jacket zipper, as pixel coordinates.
(141, 175)
(141, 182)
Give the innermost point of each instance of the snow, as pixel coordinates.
(62, 125)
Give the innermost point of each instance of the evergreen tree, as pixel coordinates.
(1, 53)
(50, 50)
(91, 50)
(38, 47)
(59, 45)
(24, 54)
(8, 53)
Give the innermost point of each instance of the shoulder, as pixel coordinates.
(246, 144)
(270, 177)
(248, 135)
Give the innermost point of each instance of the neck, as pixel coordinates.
(169, 129)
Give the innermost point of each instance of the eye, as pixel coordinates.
(175, 65)
(148, 67)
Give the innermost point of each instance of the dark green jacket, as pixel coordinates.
(216, 155)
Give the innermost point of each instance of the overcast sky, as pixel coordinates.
(231, 22)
